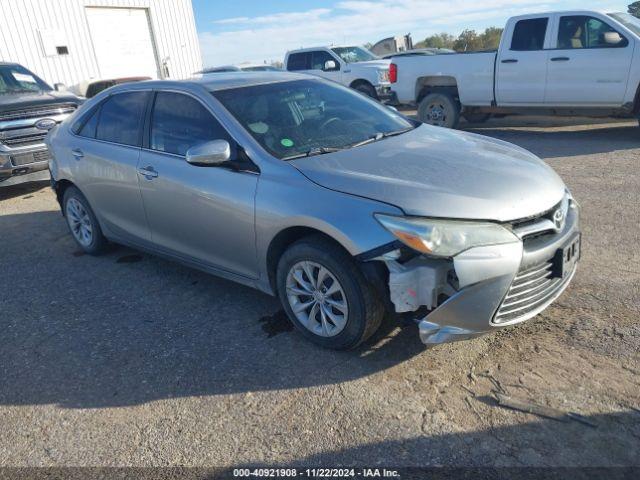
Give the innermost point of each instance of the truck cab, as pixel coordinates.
(577, 58)
(29, 108)
(352, 66)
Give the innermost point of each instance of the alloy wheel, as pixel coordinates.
(317, 299)
(79, 222)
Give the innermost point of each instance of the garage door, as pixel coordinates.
(122, 42)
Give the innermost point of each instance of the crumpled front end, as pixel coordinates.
(490, 287)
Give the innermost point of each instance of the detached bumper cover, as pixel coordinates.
(501, 285)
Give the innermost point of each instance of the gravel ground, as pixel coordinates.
(131, 360)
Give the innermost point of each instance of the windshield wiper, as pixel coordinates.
(313, 152)
(374, 138)
(397, 132)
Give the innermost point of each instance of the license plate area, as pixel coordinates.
(566, 258)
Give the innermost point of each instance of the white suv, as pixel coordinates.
(354, 67)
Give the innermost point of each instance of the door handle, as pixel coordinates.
(510, 60)
(560, 59)
(77, 153)
(148, 172)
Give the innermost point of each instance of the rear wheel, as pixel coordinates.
(366, 89)
(82, 222)
(439, 109)
(326, 296)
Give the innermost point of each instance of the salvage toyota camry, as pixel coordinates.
(307, 190)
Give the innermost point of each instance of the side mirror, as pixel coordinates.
(59, 87)
(330, 65)
(612, 38)
(209, 154)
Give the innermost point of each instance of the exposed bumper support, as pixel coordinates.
(485, 277)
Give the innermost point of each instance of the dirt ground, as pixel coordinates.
(131, 360)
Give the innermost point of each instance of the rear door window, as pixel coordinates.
(179, 122)
(299, 61)
(121, 118)
(529, 35)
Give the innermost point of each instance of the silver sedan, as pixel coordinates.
(340, 206)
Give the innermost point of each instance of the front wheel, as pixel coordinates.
(326, 296)
(439, 109)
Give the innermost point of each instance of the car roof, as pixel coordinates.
(219, 81)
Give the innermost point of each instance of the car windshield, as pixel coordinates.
(629, 21)
(307, 117)
(354, 54)
(17, 79)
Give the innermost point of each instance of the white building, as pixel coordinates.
(70, 41)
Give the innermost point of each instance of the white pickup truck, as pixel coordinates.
(559, 63)
(352, 66)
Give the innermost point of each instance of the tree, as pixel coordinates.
(634, 9)
(490, 38)
(468, 41)
(440, 40)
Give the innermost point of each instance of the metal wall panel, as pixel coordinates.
(172, 26)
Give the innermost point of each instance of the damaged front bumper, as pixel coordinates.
(489, 287)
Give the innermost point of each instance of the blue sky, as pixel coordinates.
(239, 31)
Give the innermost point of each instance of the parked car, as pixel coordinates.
(91, 88)
(352, 66)
(561, 63)
(29, 108)
(221, 69)
(307, 190)
(258, 67)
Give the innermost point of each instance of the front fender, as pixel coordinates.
(298, 202)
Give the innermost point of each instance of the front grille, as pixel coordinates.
(42, 111)
(531, 291)
(23, 137)
(28, 158)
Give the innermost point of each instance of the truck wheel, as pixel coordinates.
(326, 296)
(476, 117)
(439, 109)
(82, 222)
(367, 90)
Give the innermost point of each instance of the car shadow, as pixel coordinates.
(566, 142)
(529, 448)
(127, 328)
(27, 188)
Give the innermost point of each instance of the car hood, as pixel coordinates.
(13, 101)
(436, 172)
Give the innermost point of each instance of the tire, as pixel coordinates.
(366, 89)
(339, 328)
(439, 109)
(476, 117)
(82, 222)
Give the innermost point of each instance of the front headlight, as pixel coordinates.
(445, 238)
(383, 76)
